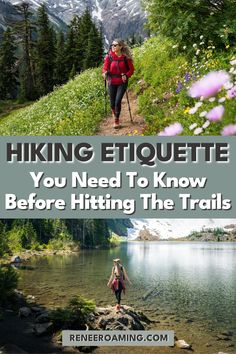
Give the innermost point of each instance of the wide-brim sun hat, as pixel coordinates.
(117, 260)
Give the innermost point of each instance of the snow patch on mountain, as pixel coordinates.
(174, 228)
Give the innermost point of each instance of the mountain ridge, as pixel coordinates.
(118, 18)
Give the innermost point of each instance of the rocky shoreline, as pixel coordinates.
(33, 325)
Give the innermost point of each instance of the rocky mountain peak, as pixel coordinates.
(118, 18)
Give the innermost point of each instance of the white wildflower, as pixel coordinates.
(206, 124)
(193, 110)
(228, 85)
(192, 126)
(212, 99)
(198, 104)
(222, 99)
(203, 114)
(198, 131)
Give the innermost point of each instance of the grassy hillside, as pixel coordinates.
(73, 109)
(163, 78)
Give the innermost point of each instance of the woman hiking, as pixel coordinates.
(117, 69)
(117, 280)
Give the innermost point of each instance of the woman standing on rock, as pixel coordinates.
(117, 68)
(117, 280)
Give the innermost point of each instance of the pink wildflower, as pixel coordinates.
(209, 85)
(216, 113)
(231, 93)
(229, 130)
(172, 130)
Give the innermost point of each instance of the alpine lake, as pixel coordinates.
(188, 287)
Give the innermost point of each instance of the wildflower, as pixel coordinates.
(206, 124)
(231, 70)
(184, 47)
(186, 110)
(187, 77)
(193, 110)
(228, 85)
(179, 87)
(201, 37)
(233, 62)
(227, 46)
(174, 46)
(216, 113)
(222, 99)
(192, 126)
(198, 131)
(203, 114)
(194, 45)
(231, 93)
(209, 85)
(201, 43)
(172, 130)
(212, 99)
(198, 104)
(229, 130)
(198, 52)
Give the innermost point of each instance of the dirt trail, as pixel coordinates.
(127, 127)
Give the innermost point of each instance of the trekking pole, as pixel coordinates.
(105, 97)
(131, 118)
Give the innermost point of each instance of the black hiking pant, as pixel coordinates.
(118, 293)
(116, 93)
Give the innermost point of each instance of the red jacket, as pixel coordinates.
(117, 67)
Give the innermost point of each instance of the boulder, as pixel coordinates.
(37, 310)
(41, 329)
(125, 319)
(43, 318)
(16, 259)
(182, 344)
(24, 312)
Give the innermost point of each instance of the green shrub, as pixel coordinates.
(73, 316)
(8, 282)
(186, 21)
(22, 236)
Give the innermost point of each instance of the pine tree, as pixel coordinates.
(85, 27)
(45, 52)
(94, 50)
(60, 72)
(72, 47)
(24, 30)
(8, 71)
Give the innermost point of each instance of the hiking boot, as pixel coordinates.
(117, 123)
